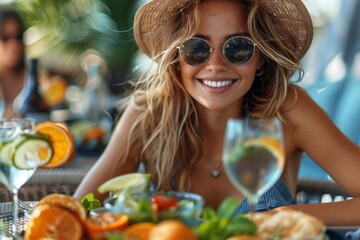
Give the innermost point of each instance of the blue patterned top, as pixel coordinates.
(278, 195)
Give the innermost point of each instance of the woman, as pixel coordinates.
(12, 67)
(175, 120)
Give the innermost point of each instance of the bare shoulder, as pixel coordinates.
(133, 109)
(296, 97)
(306, 119)
(299, 108)
(314, 132)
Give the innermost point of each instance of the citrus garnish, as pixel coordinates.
(136, 182)
(272, 145)
(139, 231)
(31, 151)
(94, 133)
(61, 140)
(52, 222)
(53, 90)
(66, 202)
(172, 230)
(97, 226)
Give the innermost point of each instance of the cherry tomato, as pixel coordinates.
(163, 202)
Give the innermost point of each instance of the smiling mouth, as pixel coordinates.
(217, 84)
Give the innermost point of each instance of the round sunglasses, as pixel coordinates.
(236, 50)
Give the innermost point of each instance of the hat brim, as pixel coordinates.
(291, 17)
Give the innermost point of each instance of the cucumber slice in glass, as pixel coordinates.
(5, 152)
(33, 151)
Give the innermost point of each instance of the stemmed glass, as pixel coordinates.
(19, 157)
(253, 155)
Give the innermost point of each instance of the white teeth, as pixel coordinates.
(217, 84)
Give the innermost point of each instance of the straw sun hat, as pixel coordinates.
(291, 19)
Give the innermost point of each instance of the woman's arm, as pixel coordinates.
(105, 167)
(318, 136)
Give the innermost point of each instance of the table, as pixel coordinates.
(6, 217)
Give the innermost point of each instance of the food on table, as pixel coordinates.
(172, 230)
(136, 182)
(244, 237)
(221, 223)
(156, 207)
(139, 231)
(53, 222)
(105, 223)
(61, 140)
(163, 202)
(89, 135)
(59, 216)
(93, 134)
(290, 224)
(67, 202)
(90, 202)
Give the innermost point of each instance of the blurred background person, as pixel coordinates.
(12, 60)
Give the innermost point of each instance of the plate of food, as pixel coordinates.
(171, 214)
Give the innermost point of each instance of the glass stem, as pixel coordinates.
(252, 200)
(15, 208)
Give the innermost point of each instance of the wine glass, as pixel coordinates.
(19, 157)
(253, 155)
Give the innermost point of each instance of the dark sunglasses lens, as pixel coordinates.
(238, 50)
(195, 51)
(18, 37)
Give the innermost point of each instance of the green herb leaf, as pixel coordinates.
(228, 207)
(208, 214)
(222, 224)
(90, 202)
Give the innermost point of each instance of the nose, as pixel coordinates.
(216, 63)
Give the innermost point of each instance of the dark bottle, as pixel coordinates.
(30, 103)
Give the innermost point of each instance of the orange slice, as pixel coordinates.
(61, 141)
(53, 90)
(140, 231)
(94, 133)
(52, 222)
(172, 230)
(67, 202)
(98, 226)
(273, 145)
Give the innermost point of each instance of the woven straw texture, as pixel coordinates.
(292, 19)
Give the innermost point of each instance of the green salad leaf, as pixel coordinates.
(222, 224)
(90, 202)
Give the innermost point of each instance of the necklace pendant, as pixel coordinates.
(215, 173)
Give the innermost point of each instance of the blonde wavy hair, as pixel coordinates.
(165, 134)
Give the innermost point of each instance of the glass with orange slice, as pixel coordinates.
(253, 155)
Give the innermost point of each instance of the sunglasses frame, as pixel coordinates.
(222, 50)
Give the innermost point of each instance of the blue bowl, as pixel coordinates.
(140, 208)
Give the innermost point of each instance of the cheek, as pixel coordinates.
(187, 73)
